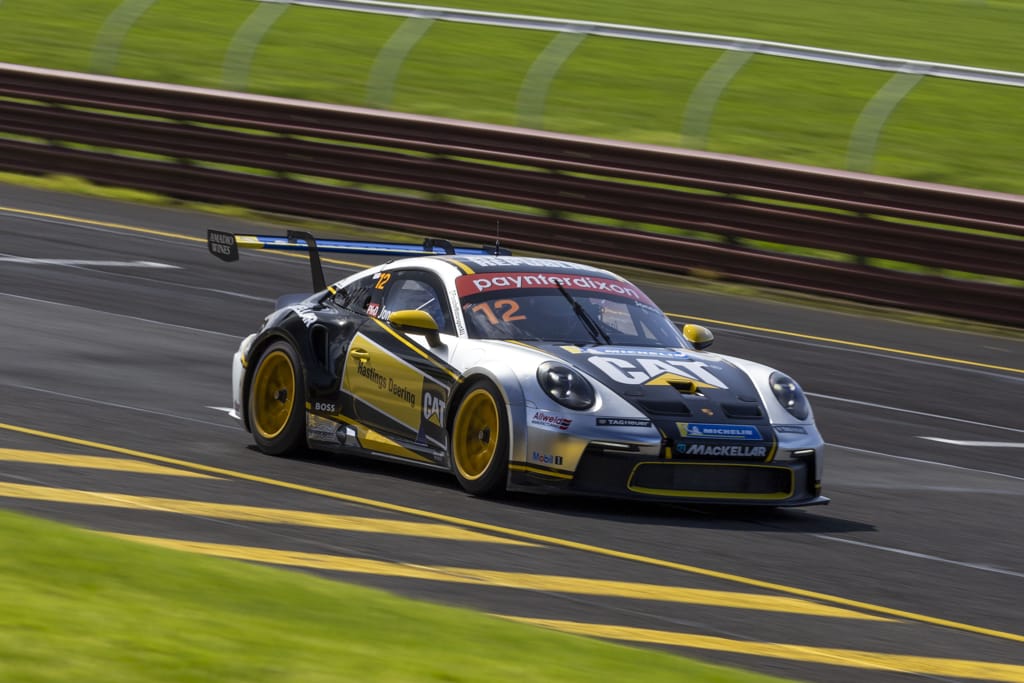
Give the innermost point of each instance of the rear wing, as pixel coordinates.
(225, 246)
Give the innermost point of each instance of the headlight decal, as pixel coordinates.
(565, 385)
(790, 395)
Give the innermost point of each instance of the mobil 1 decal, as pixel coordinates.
(391, 385)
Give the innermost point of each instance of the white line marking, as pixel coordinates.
(111, 404)
(975, 444)
(923, 556)
(926, 462)
(913, 412)
(85, 263)
(119, 315)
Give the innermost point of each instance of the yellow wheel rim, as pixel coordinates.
(475, 434)
(273, 394)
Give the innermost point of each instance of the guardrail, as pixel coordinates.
(879, 240)
(569, 34)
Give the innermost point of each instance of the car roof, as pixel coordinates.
(503, 263)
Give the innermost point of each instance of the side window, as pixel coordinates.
(418, 290)
(360, 296)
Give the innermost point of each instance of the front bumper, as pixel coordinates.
(783, 483)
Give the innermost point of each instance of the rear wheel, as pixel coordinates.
(480, 441)
(276, 406)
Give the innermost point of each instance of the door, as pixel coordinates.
(399, 384)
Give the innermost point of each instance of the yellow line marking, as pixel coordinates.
(844, 342)
(538, 538)
(103, 224)
(252, 514)
(94, 462)
(880, 661)
(524, 581)
(152, 231)
(785, 333)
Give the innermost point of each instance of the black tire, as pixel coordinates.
(479, 443)
(276, 403)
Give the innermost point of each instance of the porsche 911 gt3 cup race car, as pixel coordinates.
(517, 373)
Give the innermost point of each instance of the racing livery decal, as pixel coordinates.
(541, 418)
(622, 422)
(706, 449)
(655, 371)
(375, 376)
(702, 430)
(479, 282)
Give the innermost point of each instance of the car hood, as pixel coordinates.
(687, 394)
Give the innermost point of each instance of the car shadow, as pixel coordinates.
(811, 519)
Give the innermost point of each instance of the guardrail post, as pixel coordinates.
(389, 60)
(534, 91)
(864, 138)
(239, 55)
(701, 106)
(112, 33)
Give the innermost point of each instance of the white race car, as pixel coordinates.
(516, 373)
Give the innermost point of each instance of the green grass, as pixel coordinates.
(945, 131)
(79, 606)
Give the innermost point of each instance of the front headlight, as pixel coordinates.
(565, 385)
(790, 395)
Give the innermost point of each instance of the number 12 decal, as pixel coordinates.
(502, 310)
(382, 280)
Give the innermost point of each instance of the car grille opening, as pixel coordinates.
(672, 407)
(718, 479)
(742, 410)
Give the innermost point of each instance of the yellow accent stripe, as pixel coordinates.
(526, 581)
(245, 513)
(537, 538)
(465, 268)
(416, 349)
(374, 440)
(877, 661)
(844, 342)
(248, 242)
(520, 467)
(94, 462)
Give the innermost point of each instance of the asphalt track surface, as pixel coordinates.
(118, 327)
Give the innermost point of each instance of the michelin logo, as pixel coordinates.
(710, 431)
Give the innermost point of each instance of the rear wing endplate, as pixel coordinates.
(225, 246)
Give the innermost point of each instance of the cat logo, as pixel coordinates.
(433, 408)
(656, 371)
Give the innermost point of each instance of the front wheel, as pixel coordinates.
(480, 441)
(275, 404)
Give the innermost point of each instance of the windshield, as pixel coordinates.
(500, 307)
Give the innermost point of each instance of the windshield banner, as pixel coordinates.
(469, 285)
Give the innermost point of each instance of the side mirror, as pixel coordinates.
(416, 322)
(698, 335)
